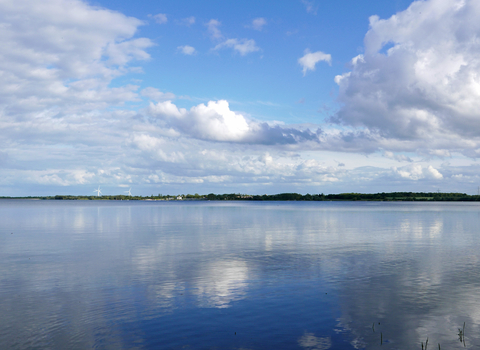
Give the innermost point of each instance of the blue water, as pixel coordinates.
(238, 275)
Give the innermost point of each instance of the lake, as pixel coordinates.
(239, 275)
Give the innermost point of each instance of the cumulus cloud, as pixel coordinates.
(160, 18)
(62, 122)
(418, 80)
(258, 23)
(310, 59)
(215, 121)
(187, 50)
(242, 46)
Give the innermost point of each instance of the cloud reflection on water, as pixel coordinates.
(414, 268)
(221, 283)
(311, 342)
(418, 285)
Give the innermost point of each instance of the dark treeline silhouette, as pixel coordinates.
(393, 196)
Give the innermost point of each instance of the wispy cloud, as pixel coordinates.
(188, 21)
(397, 157)
(212, 27)
(310, 6)
(156, 95)
(242, 46)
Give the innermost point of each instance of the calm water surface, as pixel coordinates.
(238, 275)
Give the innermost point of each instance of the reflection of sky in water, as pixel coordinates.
(221, 283)
(238, 275)
(310, 341)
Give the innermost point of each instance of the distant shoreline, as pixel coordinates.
(377, 197)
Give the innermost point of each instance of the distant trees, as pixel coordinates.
(393, 196)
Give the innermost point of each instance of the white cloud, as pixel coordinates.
(64, 54)
(397, 157)
(156, 95)
(187, 50)
(160, 18)
(417, 172)
(212, 27)
(62, 122)
(56, 68)
(418, 82)
(58, 177)
(242, 46)
(120, 54)
(155, 148)
(442, 153)
(258, 23)
(215, 121)
(310, 59)
(433, 173)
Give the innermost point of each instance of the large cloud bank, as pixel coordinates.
(216, 122)
(64, 53)
(66, 120)
(418, 81)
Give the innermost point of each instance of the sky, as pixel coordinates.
(177, 97)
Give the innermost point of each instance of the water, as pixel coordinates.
(238, 275)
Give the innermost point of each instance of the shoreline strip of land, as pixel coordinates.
(383, 196)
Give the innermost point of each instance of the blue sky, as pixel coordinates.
(262, 79)
(245, 97)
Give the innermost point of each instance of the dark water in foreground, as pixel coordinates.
(214, 275)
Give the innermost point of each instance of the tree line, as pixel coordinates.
(392, 196)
